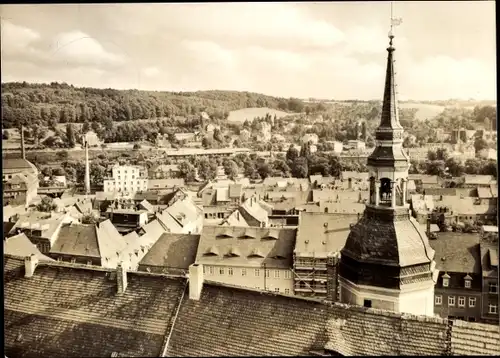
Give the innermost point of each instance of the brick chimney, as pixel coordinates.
(121, 278)
(30, 263)
(332, 281)
(195, 281)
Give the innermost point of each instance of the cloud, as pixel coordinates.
(17, 39)
(78, 48)
(151, 71)
(208, 53)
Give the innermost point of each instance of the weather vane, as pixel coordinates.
(394, 21)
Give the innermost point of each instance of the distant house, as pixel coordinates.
(310, 138)
(92, 139)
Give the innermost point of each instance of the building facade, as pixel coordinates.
(127, 179)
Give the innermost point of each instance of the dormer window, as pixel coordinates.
(467, 281)
(446, 280)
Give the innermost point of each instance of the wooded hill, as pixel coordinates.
(50, 104)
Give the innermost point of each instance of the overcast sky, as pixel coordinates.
(325, 50)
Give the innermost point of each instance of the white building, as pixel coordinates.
(258, 258)
(310, 138)
(127, 179)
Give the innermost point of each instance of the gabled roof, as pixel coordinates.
(246, 243)
(109, 240)
(172, 251)
(147, 206)
(235, 190)
(235, 219)
(21, 246)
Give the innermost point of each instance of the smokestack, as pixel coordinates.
(121, 278)
(30, 263)
(195, 281)
(428, 226)
(87, 168)
(23, 150)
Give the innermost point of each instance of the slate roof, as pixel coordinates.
(479, 179)
(172, 251)
(460, 252)
(10, 165)
(235, 219)
(376, 240)
(320, 234)
(235, 190)
(75, 312)
(274, 245)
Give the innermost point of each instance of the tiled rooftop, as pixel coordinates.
(172, 251)
(70, 312)
(67, 311)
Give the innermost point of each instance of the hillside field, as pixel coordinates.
(241, 115)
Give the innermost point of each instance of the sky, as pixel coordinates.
(334, 50)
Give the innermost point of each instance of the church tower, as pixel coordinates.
(387, 262)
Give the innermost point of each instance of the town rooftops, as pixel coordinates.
(155, 184)
(479, 180)
(77, 240)
(320, 234)
(18, 164)
(255, 246)
(457, 252)
(154, 317)
(20, 246)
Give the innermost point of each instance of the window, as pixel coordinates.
(288, 274)
(73, 261)
(446, 282)
(230, 271)
(59, 258)
(287, 291)
(276, 289)
(451, 301)
(472, 301)
(211, 270)
(276, 274)
(467, 283)
(89, 263)
(438, 300)
(204, 269)
(221, 271)
(367, 303)
(492, 309)
(461, 301)
(257, 272)
(267, 273)
(493, 287)
(243, 272)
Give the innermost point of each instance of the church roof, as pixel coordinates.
(398, 243)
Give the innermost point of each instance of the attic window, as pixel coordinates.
(224, 234)
(233, 252)
(279, 257)
(271, 235)
(247, 235)
(212, 251)
(256, 253)
(446, 280)
(467, 280)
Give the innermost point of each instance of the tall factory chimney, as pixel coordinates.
(87, 167)
(23, 150)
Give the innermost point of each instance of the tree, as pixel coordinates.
(89, 219)
(455, 168)
(207, 169)
(436, 167)
(70, 135)
(480, 144)
(231, 169)
(299, 168)
(62, 155)
(292, 153)
(305, 150)
(264, 170)
(187, 171)
(137, 146)
(97, 174)
(46, 205)
(218, 135)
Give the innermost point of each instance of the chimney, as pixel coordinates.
(332, 282)
(195, 281)
(30, 263)
(121, 277)
(23, 150)
(428, 231)
(87, 168)
(349, 183)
